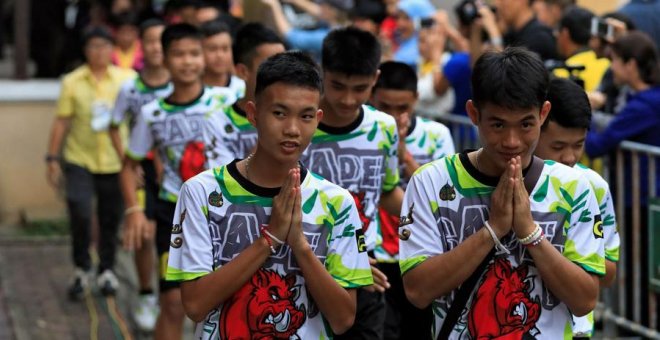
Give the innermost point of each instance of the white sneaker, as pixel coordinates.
(146, 312)
(79, 284)
(107, 282)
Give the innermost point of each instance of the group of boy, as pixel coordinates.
(290, 234)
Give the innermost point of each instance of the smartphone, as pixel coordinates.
(601, 29)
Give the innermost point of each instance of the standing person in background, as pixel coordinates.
(408, 23)
(153, 82)
(88, 162)
(523, 28)
(254, 43)
(635, 63)
(218, 59)
(645, 14)
(174, 126)
(420, 141)
(562, 140)
(128, 48)
(573, 45)
(355, 147)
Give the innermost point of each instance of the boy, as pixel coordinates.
(88, 163)
(153, 82)
(264, 247)
(355, 148)
(174, 126)
(218, 58)
(562, 140)
(547, 255)
(254, 43)
(420, 141)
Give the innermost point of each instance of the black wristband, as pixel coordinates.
(52, 158)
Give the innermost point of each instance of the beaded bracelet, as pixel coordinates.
(536, 241)
(532, 236)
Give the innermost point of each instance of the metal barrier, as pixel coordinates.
(613, 303)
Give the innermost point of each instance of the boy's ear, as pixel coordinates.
(251, 111)
(545, 110)
(242, 71)
(319, 115)
(472, 111)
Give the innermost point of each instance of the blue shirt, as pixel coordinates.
(645, 14)
(308, 40)
(408, 52)
(458, 72)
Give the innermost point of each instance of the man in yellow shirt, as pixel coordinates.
(572, 43)
(89, 164)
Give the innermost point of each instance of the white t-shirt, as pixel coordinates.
(426, 141)
(219, 214)
(177, 131)
(246, 135)
(361, 158)
(132, 96)
(448, 200)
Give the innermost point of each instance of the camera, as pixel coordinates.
(468, 10)
(601, 29)
(423, 23)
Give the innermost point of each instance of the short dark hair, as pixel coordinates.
(373, 10)
(577, 21)
(351, 51)
(249, 38)
(292, 68)
(149, 23)
(640, 47)
(514, 79)
(570, 105)
(396, 75)
(213, 27)
(125, 18)
(178, 32)
(96, 32)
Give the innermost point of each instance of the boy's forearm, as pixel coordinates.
(391, 201)
(337, 305)
(565, 279)
(116, 141)
(59, 129)
(202, 295)
(127, 181)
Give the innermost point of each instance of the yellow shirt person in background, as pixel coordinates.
(90, 165)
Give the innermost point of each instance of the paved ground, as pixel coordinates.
(34, 276)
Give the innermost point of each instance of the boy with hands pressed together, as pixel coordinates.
(264, 247)
(541, 217)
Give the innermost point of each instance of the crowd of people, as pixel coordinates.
(294, 181)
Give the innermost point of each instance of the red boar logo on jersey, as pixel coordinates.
(193, 160)
(264, 308)
(502, 307)
(359, 204)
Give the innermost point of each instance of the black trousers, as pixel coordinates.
(81, 188)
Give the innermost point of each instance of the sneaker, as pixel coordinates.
(107, 282)
(79, 285)
(146, 312)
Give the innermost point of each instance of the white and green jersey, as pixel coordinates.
(584, 325)
(361, 158)
(219, 214)
(236, 85)
(426, 141)
(448, 200)
(177, 131)
(134, 94)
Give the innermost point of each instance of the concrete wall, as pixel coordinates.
(26, 114)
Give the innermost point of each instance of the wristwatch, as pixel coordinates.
(52, 158)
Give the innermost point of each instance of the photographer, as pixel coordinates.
(408, 22)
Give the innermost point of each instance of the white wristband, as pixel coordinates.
(273, 237)
(501, 249)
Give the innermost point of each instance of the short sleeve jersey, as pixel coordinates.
(426, 141)
(361, 158)
(219, 215)
(448, 200)
(134, 94)
(177, 131)
(584, 326)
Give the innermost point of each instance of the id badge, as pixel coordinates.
(101, 116)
